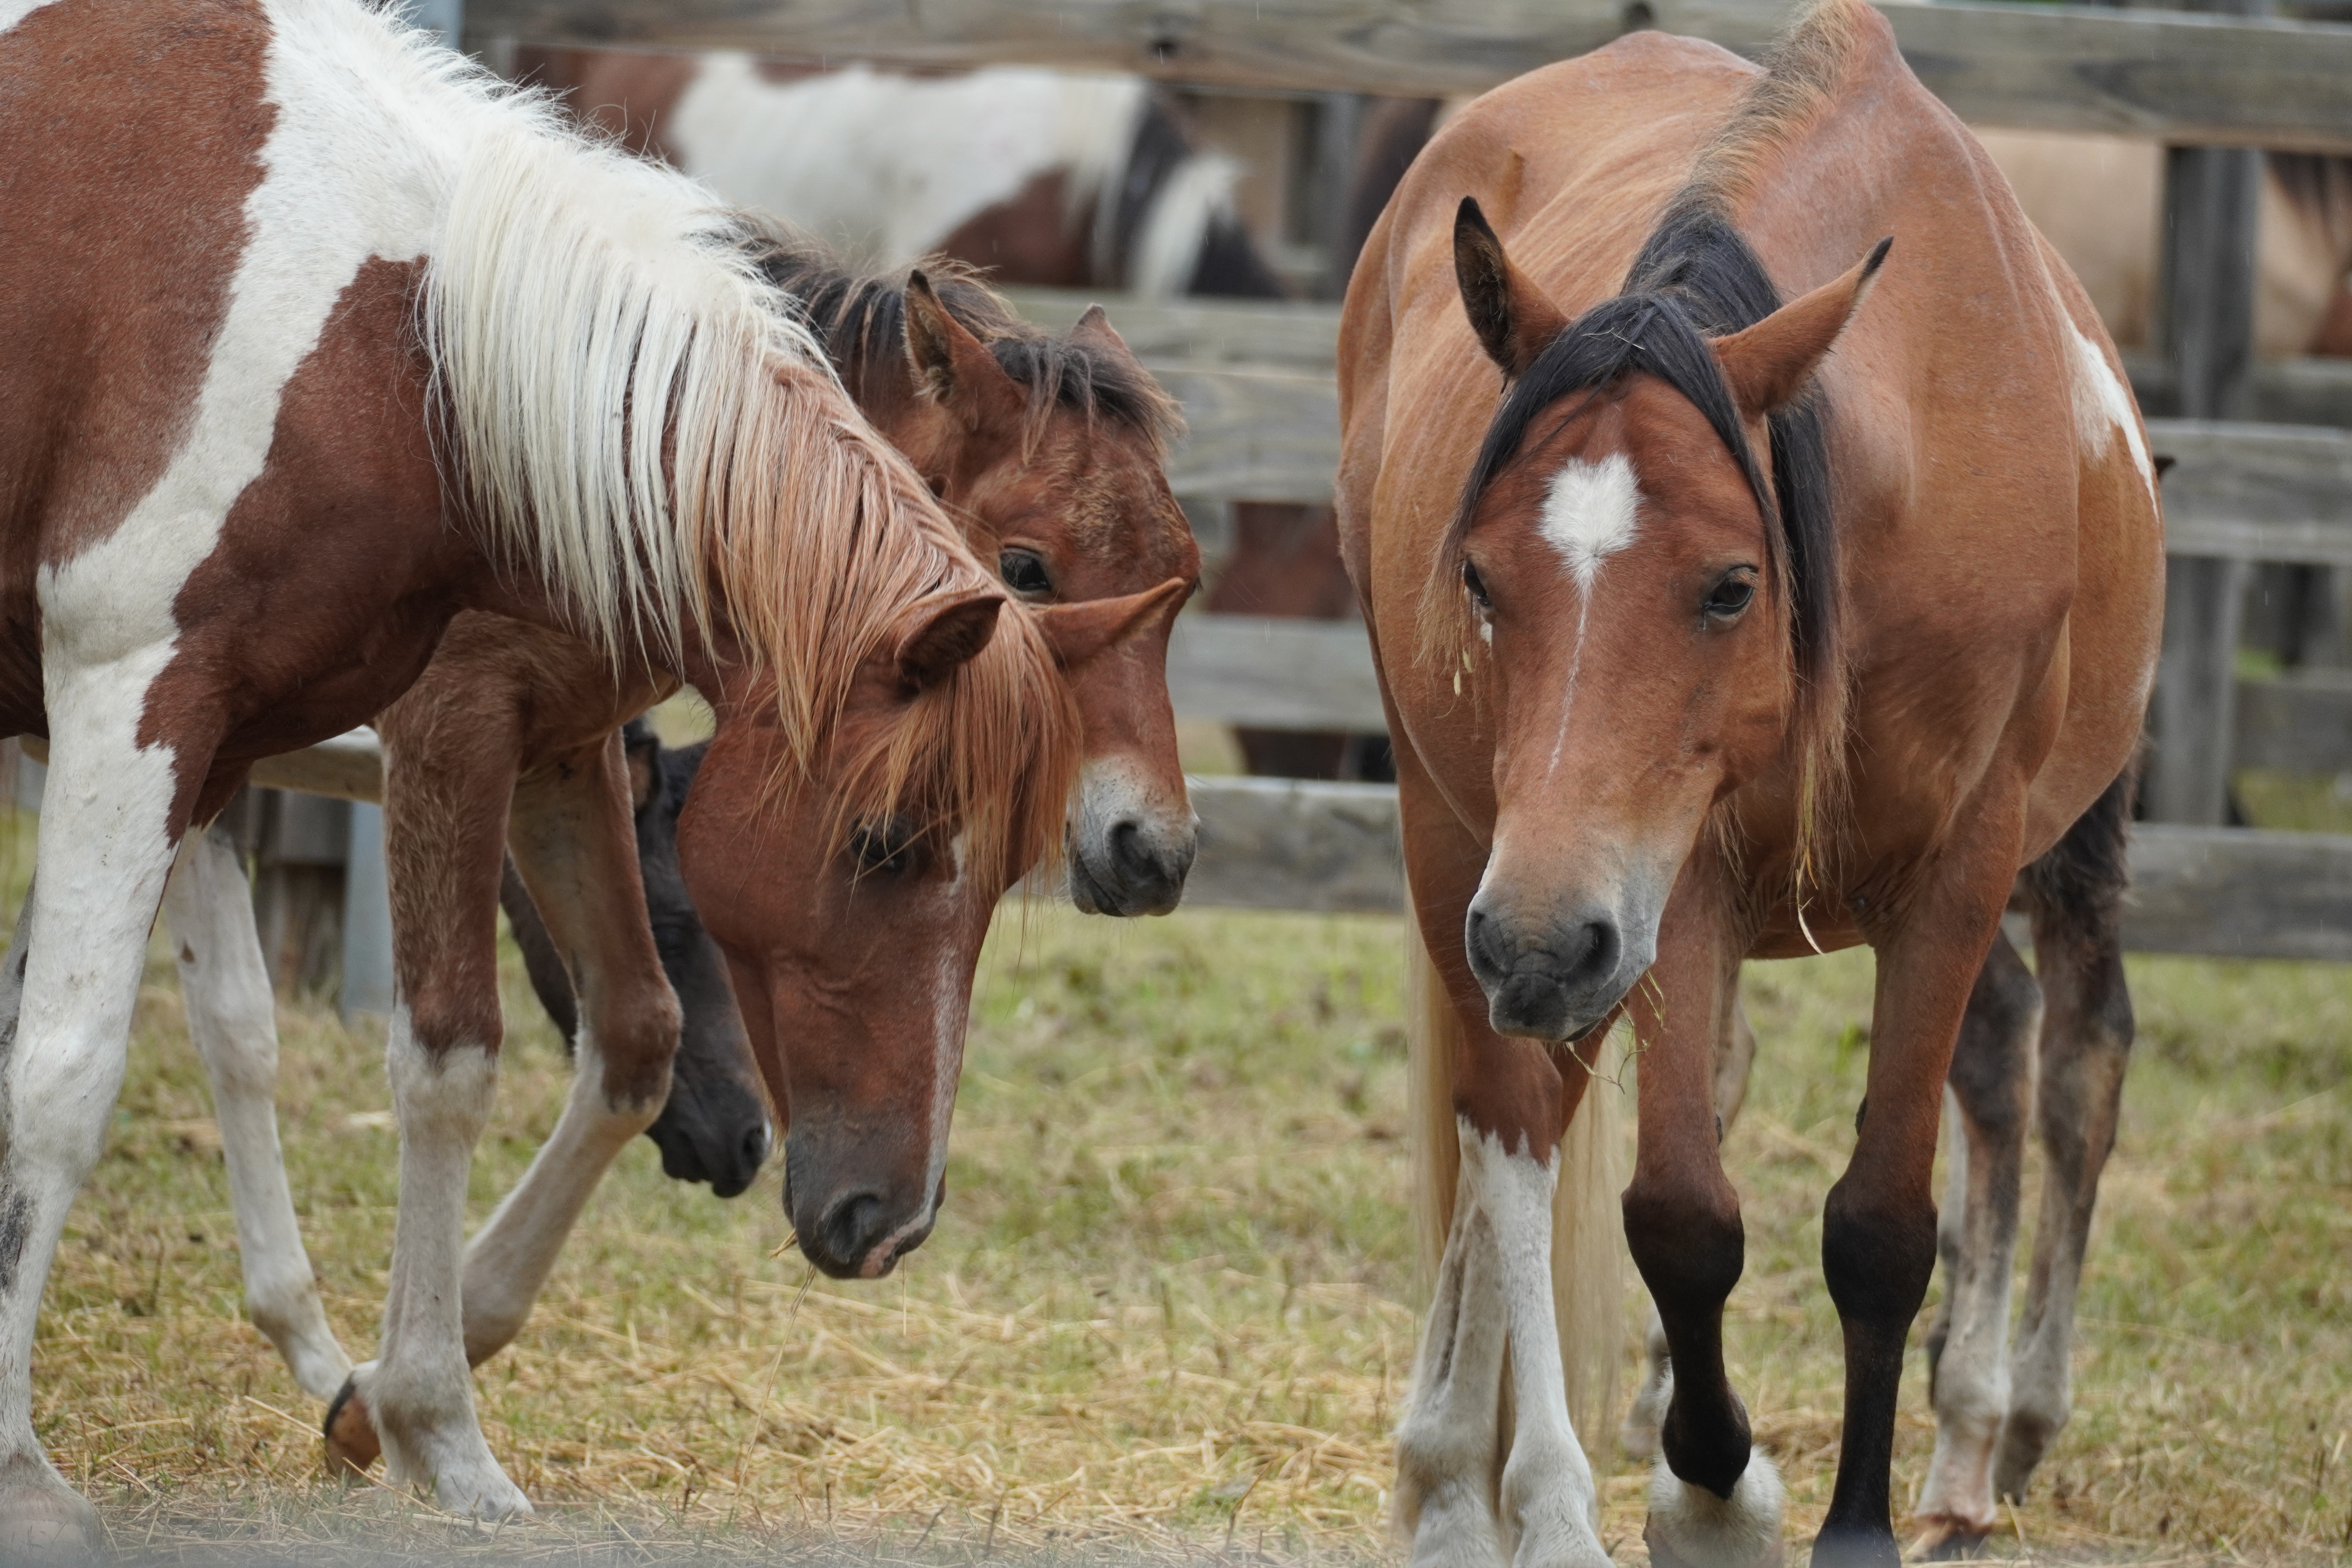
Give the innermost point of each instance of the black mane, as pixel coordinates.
(1695, 278)
(861, 321)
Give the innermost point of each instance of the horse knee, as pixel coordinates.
(444, 1018)
(1877, 1256)
(635, 1043)
(1687, 1240)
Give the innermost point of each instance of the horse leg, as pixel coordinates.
(1878, 1227)
(232, 1018)
(574, 842)
(444, 832)
(1734, 1053)
(1512, 1101)
(2077, 893)
(1987, 1092)
(109, 820)
(1714, 1499)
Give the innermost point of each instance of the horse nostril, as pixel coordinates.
(1601, 947)
(851, 1227)
(755, 1149)
(1127, 854)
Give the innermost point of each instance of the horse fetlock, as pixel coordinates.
(1550, 1507)
(288, 1312)
(1691, 1527)
(1451, 1522)
(41, 1517)
(1957, 1498)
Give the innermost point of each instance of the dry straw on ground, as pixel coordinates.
(1169, 1312)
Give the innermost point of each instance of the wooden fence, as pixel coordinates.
(1255, 380)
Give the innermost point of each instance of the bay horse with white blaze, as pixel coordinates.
(1703, 642)
(363, 340)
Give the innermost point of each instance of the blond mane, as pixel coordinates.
(640, 421)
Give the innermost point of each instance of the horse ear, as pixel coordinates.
(1767, 364)
(1083, 632)
(952, 367)
(1513, 318)
(1095, 329)
(941, 634)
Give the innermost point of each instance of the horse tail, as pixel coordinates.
(1588, 1254)
(1587, 1250)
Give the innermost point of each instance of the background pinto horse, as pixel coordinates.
(1733, 646)
(358, 337)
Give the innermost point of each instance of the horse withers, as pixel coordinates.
(1785, 597)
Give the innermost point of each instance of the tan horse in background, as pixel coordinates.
(1708, 643)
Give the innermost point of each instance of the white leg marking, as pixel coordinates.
(1496, 1288)
(232, 1018)
(1447, 1444)
(103, 855)
(420, 1391)
(509, 1261)
(1704, 1531)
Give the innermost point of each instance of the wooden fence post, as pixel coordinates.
(2210, 197)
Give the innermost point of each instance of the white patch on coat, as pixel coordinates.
(886, 167)
(1590, 513)
(2103, 409)
(950, 1011)
(15, 11)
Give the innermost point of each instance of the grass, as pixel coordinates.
(1170, 1307)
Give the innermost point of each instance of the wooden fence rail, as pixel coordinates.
(2170, 76)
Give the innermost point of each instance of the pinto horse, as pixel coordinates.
(361, 339)
(1701, 642)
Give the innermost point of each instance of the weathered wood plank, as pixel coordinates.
(2299, 722)
(2165, 75)
(1274, 674)
(1296, 844)
(349, 767)
(1257, 433)
(2286, 391)
(2222, 893)
(2234, 893)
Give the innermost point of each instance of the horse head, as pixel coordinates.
(1638, 610)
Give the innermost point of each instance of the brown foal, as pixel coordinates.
(1703, 642)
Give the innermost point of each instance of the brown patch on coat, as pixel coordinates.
(133, 138)
(1032, 237)
(625, 93)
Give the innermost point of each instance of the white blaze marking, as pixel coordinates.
(2103, 408)
(1589, 513)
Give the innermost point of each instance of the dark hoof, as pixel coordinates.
(351, 1443)
(1856, 1549)
(1956, 1543)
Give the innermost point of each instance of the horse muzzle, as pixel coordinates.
(852, 1228)
(716, 1133)
(1127, 855)
(1557, 977)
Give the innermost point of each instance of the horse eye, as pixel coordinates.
(1729, 597)
(887, 846)
(1476, 587)
(1023, 572)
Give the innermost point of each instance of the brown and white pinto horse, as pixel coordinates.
(358, 340)
(1060, 179)
(1707, 643)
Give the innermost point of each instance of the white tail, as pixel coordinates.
(1587, 1247)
